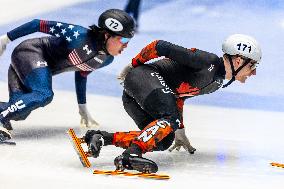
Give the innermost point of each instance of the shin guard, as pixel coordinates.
(152, 134)
(124, 139)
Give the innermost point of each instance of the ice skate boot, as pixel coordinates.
(135, 162)
(5, 136)
(8, 125)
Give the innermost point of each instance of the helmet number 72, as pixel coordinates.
(113, 24)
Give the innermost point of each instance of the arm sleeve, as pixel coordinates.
(54, 28)
(80, 85)
(147, 53)
(174, 52)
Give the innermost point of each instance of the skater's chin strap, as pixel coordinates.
(105, 43)
(235, 72)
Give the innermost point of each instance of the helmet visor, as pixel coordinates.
(253, 65)
(124, 40)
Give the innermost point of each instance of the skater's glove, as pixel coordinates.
(4, 40)
(124, 72)
(181, 140)
(95, 142)
(86, 119)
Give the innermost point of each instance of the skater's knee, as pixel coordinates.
(173, 120)
(143, 123)
(21, 116)
(47, 97)
(166, 142)
(44, 97)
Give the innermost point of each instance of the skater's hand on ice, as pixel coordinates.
(86, 119)
(4, 40)
(181, 140)
(95, 142)
(124, 73)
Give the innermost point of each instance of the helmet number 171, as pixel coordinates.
(243, 47)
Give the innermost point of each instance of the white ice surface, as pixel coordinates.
(234, 146)
(231, 152)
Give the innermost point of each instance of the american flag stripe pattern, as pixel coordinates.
(43, 26)
(76, 61)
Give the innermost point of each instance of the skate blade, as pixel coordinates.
(130, 174)
(8, 143)
(277, 165)
(76, 143)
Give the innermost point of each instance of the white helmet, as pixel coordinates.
(244, 45)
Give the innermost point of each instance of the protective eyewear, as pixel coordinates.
(253, 65)
(124, 40)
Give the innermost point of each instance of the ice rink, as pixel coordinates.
(237, 131)
(231, 152)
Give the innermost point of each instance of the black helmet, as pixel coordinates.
(118, 22)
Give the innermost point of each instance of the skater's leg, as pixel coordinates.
(162, 107)
(38, 93)
(158, 135)
(16, 88)
(134, 110)
(119, 139)
(159, 102)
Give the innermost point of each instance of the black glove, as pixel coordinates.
(95, 141)
(96, 145)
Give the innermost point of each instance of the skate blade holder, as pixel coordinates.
(77, 144)
(83, 156)
(274, 164)
(132, 174)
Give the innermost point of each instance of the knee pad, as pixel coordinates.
(150, 137)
